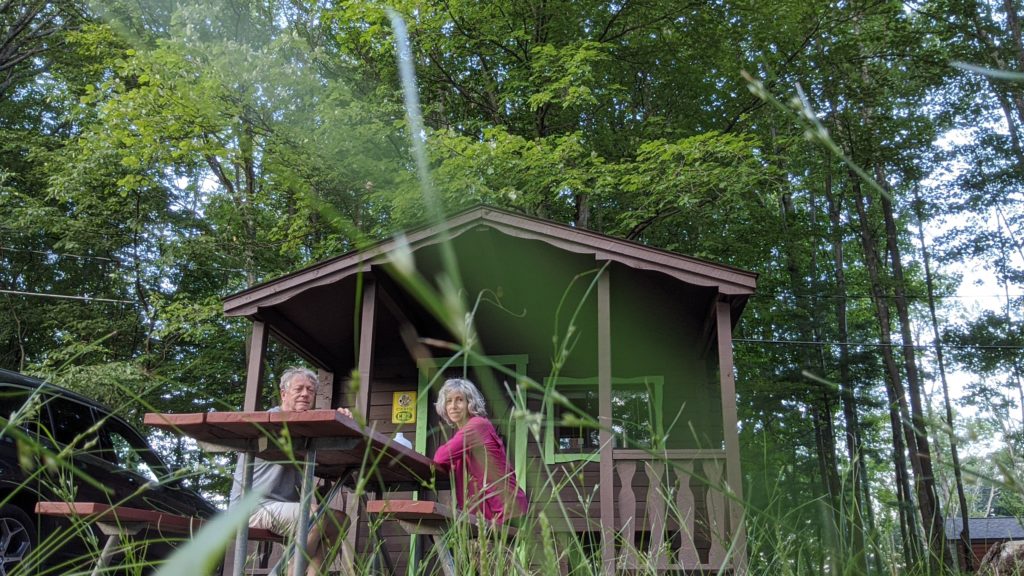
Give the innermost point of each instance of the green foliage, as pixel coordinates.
(156, 156)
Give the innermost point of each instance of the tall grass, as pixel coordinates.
(782, 539)
(787, 534)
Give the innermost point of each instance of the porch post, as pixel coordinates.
(604, 401)
(361, 408)
(254, 371)
(366, 330)
(253, 387)
(324, 389)
(734, 478)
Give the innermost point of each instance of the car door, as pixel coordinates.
(91, 479)
(20, 412)
(144, 477)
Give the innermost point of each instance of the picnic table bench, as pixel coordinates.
(434, 519)
(117, 522)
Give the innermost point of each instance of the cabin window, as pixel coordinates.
(572, 433)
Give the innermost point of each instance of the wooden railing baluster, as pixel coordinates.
(687, 554)
(627, 511)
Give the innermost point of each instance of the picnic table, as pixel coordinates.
(330, 445)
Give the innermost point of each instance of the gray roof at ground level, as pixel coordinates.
(999, 528)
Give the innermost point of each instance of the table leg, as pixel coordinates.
(242, 540)
(302, 530)
(444, 555)
(107, 553)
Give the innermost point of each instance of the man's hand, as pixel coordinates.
(345, 412)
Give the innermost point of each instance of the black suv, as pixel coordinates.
(124, 468)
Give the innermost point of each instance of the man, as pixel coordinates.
(279, 509)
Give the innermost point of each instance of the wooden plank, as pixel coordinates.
(627, 500)
(173, 422)
(162, 521)
(657, 511)
(389, 462)
(716, 504)
(410, 509)
(232, 426)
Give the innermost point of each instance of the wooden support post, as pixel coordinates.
(324, 389)
(730, 424)
(604, 400)
(255, 371)
(366, 331)
(361, 409)
(253, 392)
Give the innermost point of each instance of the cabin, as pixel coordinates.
(985, 533)
(635, 339)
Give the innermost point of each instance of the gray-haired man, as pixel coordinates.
(281, 484)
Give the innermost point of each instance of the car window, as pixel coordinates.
(12, 398)
(129, 451)
(70, 420)
(13, 401)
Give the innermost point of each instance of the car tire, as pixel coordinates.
(17, 537)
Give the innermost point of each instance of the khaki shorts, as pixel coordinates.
(279, 517)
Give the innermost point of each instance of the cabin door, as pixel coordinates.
(497, 378)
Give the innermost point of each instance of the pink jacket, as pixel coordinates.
(484, 481)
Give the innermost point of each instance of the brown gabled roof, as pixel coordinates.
(728, 280)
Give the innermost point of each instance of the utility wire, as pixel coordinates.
(758, 297)
(59, 254)
(735, 340)
(66, 297)
(117, 261)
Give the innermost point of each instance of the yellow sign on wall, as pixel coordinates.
(403, 408)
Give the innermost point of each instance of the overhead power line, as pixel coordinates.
(59, 254)
(65, 297)
(118, 261)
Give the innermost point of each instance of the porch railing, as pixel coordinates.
(672, 510)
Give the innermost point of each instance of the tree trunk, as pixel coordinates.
(861, 500)
(928, 499)
(899, 413)
(965, 533)
(819, 404)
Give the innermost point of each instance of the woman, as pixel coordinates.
(484, 482)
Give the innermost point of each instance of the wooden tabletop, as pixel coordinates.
(342, 444)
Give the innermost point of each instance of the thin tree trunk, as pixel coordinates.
(1009, 99)
(582, 201)
(819, 404)
(858, 469)
(899, 413)
(928, 499)
(1011, 123)
(965, 533)
(826, 430)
